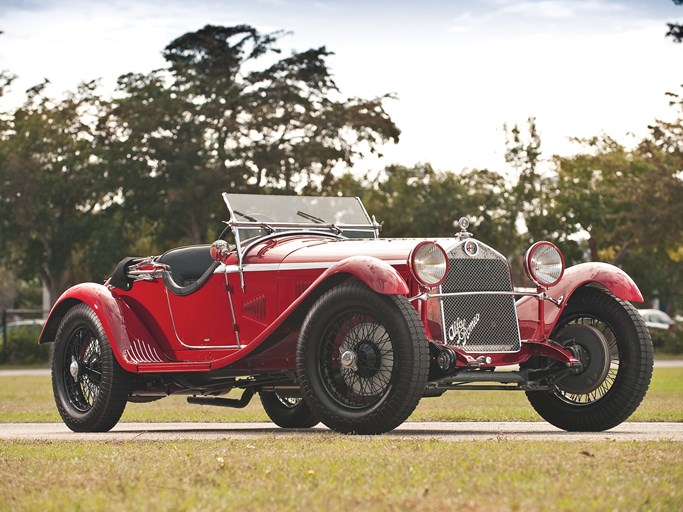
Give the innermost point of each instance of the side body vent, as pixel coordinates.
(255, 308)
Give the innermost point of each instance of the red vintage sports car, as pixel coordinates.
(305, 305)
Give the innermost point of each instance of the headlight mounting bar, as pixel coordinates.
(540, 295)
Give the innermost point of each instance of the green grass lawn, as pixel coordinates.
(334, 472)
(29, 399)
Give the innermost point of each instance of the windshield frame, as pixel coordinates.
(240, 223)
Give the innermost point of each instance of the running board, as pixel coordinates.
(180, 366)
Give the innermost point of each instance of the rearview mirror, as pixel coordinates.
(220, 250)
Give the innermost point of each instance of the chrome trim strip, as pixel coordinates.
(255, 267)
(264, 267)
(539, 295)
(235, 327)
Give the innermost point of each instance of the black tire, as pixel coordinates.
(143, 399)
(627, 375)
(386, 365)
(90, 387)
(287, 412)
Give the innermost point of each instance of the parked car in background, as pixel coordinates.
(301, 302)
(656, 319)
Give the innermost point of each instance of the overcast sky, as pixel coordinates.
(461, 69)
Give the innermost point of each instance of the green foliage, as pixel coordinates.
(54, 204)
(216, 119)
(419, 201)
(21, 347)
(86, 179)
(668, 342)
(627, 205)
(675, 29)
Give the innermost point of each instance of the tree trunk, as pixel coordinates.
(625, 247)
(593, 246)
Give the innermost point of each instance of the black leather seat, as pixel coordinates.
(190, 268)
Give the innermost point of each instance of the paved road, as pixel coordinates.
(445, 431)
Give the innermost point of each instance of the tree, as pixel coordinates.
(86, 179)
(529, 188)
(55, 213)
(676, 29)
(419, 201)
(627, 205)
(214, 120)
(597, 191)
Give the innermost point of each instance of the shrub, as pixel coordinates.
(21, 347)
(668, 342)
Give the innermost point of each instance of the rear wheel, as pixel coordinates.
(362, 359)
(90, 388)
(287, 412)
(611, 339)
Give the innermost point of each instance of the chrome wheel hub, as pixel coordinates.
(73, 369)
(349, 360)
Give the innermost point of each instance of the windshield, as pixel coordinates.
(253, 214)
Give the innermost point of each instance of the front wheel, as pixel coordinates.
(90, 387)
(362, 359)
(610, 337)
(287, 412)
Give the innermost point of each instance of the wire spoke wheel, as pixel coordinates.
(362, 359)
(611, 363)
(357, 360)
(287, 411)
(90, 387)
(288, 402)
(611, 340)
(82, 370)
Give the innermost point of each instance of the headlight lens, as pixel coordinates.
(544, 264)
(429, 264)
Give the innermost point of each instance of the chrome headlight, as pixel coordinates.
(429, 264)
(544, 264)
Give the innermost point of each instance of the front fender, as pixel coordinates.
(375, 273)
(607, 276)
(120, 324)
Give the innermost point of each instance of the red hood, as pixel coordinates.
(305, 249)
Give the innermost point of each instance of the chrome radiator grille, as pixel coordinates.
(479, 323)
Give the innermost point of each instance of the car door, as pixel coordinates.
(204, 319)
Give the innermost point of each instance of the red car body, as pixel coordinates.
(238, 314)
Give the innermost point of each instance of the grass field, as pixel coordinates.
(333, 472)
(29, 399)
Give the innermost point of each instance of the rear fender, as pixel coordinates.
(123, 328)
(612, 278)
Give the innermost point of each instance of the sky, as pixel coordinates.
(461, 69)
